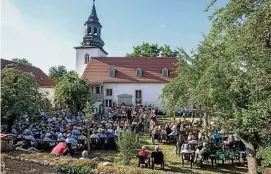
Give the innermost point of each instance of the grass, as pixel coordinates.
(172, 161)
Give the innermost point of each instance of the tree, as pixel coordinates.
(127, 144)
(152, 50)
(22, 61)
(229, 74)
(19, 95)
(166, 51)
(73, 91)
(57, 72)
(88, 115)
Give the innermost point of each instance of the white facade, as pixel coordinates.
(80, 57)
(49, 92)
(150, 92)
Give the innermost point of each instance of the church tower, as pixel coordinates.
(92, 43)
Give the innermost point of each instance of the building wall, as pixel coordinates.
(80, 57)
(49, 91)
(150, 92)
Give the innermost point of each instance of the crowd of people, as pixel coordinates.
(194, 142)
(68, 133)
(64, 134)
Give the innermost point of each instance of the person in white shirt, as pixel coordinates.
(30, 137)
(118, 130)
(84, 155)
(60, 137)
(47, 137)
(94, 135)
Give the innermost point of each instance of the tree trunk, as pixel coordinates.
(88, 136)
(205, 119)
(252, 165)
(10, 122)
(251, 156)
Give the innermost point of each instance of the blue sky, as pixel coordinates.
(45, 31)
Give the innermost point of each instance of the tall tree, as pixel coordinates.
(73, 91)
(19, 95)
(229, 75)
(153, 50)
(22, 61)
(88, 116)
(57, 72)
(166, 51)
(145, 50)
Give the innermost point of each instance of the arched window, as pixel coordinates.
(86, 58)
(112, 72)
(165, 72)
(139, 72)
(95, 31)
(89, 30)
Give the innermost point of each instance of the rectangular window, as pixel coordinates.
(108, 103)
(138, 97)
(98, 90)
(109, 92)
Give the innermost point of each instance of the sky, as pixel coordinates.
(45, 32)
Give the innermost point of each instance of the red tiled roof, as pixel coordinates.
(42, 79)
(97, 69)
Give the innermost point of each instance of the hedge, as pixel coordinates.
(74, 166)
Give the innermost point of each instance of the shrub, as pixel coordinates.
(265, 155)
(127, 145)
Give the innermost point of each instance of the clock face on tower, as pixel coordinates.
(88, 43)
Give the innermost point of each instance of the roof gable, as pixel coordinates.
(97, 70)
(42, 79)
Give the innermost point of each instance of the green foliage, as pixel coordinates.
(265, 155)
(19, 95)
(152, 50)
(57, 72)
(166, 51)
(22, 61)
(229, 74)
(74, 169)
(127, 144)
(73, 91)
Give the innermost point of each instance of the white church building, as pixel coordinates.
(117, 80)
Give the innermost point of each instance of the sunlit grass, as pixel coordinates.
(172, 161)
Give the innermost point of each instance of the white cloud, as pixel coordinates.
(42, 47)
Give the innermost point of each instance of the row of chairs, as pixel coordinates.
(157, 158)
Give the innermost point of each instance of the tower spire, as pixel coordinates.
(93, 11)
(93, 30)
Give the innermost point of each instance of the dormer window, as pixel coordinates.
(86, 58)
(139, 72)
(165, 72)
(112, 72)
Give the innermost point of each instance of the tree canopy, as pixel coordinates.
(57, 72)
(73, 91)
(22, 61)
(152, 50)
(19, 95)
(229, 74)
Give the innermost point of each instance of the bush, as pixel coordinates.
(265, 155)
(127, 145)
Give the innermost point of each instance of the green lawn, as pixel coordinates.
(172, 161)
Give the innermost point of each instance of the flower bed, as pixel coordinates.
(40, 162)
